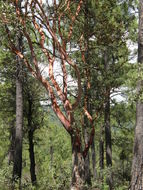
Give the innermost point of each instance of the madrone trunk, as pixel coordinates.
(78, 171)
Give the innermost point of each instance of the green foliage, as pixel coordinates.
(5, 179)
(123, 123)
(53, 157)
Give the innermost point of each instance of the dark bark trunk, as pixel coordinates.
(12, 140)
(17, 167)
(87, 176)
(101, 153)
(108, 130)
(101, 149)
(18, 131)
(78, 170)
(108, 141)
(86, 130)
(31, 144)
(32, 157)
(93, 155)
(137, 164)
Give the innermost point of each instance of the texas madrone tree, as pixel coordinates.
(47, 29)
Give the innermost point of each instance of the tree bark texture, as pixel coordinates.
(86, 131)
(32, 157)
(87, 160)
(93, 156)
(108, 131)
(101, 149)
(17, 167)
(108, 141)
(31, 144)
(78, 165)
(12, 143)
(137, 164)
(101, 153)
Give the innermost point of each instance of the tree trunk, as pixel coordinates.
(31, 144)
(86, 129)
(78, 170)
(108, 130)
(87, 160)
(108, 142)
(101, 153)
(12, 141)
(137, 164)
(32, 157)
(101, 149)
(93, 156)
(17, 167)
